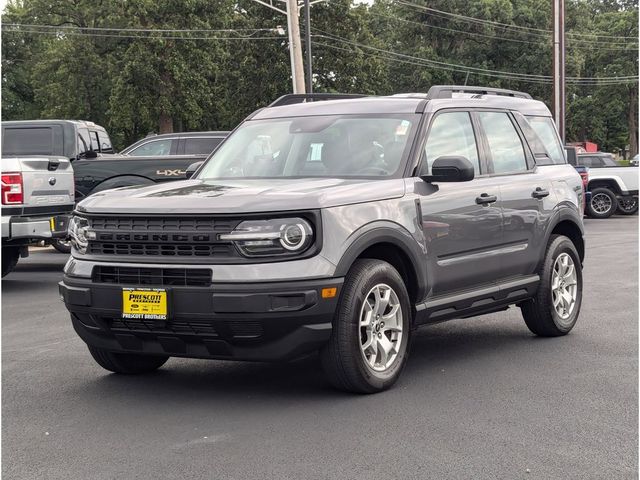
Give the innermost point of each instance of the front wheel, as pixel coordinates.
(369, 343)
(127, 363)
(555, 308)
(603, 203)
(10, 257)
(63, 245)
(628, 205)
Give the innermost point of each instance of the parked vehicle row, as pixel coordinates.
(96, 167)
(337, 224)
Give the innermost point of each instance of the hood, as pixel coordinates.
(241, 196)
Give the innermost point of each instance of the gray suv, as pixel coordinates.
(340, 224)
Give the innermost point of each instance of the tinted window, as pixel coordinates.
(546, 130)
(318, 146)
(156, 147)
(505, 145)
(95, 142)
(590, 161)
(452, 134)
(32, 141)
(202, 145)
(84, 142)
(105, 142)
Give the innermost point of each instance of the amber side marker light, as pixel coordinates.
(329, 292)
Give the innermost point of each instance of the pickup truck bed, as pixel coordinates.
(105, 172)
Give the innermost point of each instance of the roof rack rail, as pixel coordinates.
(446, 91)
(293, 98)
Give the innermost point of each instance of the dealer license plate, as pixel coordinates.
(144, 303)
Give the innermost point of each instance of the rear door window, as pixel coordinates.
(95, 142)
(200, 145)
(32, 140)
(507, 150)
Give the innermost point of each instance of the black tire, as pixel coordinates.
(62, 245)
(127, 363)
(342, 358)
(10, 257)
(628, 205)
(600, 197)
(539, 313)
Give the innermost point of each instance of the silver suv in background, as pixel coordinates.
(336, 223)
(185, 143)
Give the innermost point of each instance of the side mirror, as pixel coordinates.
(88, 154)
(191, 169)
(450, 169)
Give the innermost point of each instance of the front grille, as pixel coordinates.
(153, 326)
(179, 277)
(235, 330)
(162, 237)
(162, 250)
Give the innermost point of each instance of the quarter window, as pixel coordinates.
(452, 134)
(199, 146)
(505, 145)
(546, 130)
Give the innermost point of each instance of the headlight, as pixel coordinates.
(80, 233)
(279, 236)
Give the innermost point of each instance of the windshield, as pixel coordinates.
(317, 146)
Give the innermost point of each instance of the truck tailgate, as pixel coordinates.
(46, 181)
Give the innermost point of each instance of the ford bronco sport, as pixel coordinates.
(338, 225)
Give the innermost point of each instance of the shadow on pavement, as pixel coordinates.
(195, 381)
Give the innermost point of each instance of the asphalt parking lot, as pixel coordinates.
(480, 398)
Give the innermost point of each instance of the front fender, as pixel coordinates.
(388, 233)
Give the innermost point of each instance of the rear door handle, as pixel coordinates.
(486, 198)
(540, 193)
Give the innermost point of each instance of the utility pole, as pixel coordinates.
(558, 67)
(295, 47)
(307, 44)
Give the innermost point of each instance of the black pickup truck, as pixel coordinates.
(105, 172)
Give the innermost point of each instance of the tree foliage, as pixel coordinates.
(211, 78)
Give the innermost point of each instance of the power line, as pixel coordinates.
(546, 39)
(144, 37)
(539, 32)
(465, 68)
(162, 30)
(503, 77)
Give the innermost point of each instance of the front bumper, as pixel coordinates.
(34, 228)
(253, 321)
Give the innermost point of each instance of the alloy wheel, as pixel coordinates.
(564, 286)
(380, 327)
(601, 203)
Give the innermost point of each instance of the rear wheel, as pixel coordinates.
(603, 203)
(555, 308)
(628, 205)
(10, 257)
(127, 363)
(369, 342)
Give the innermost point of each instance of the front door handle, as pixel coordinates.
(540, 193)
(486, 198)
